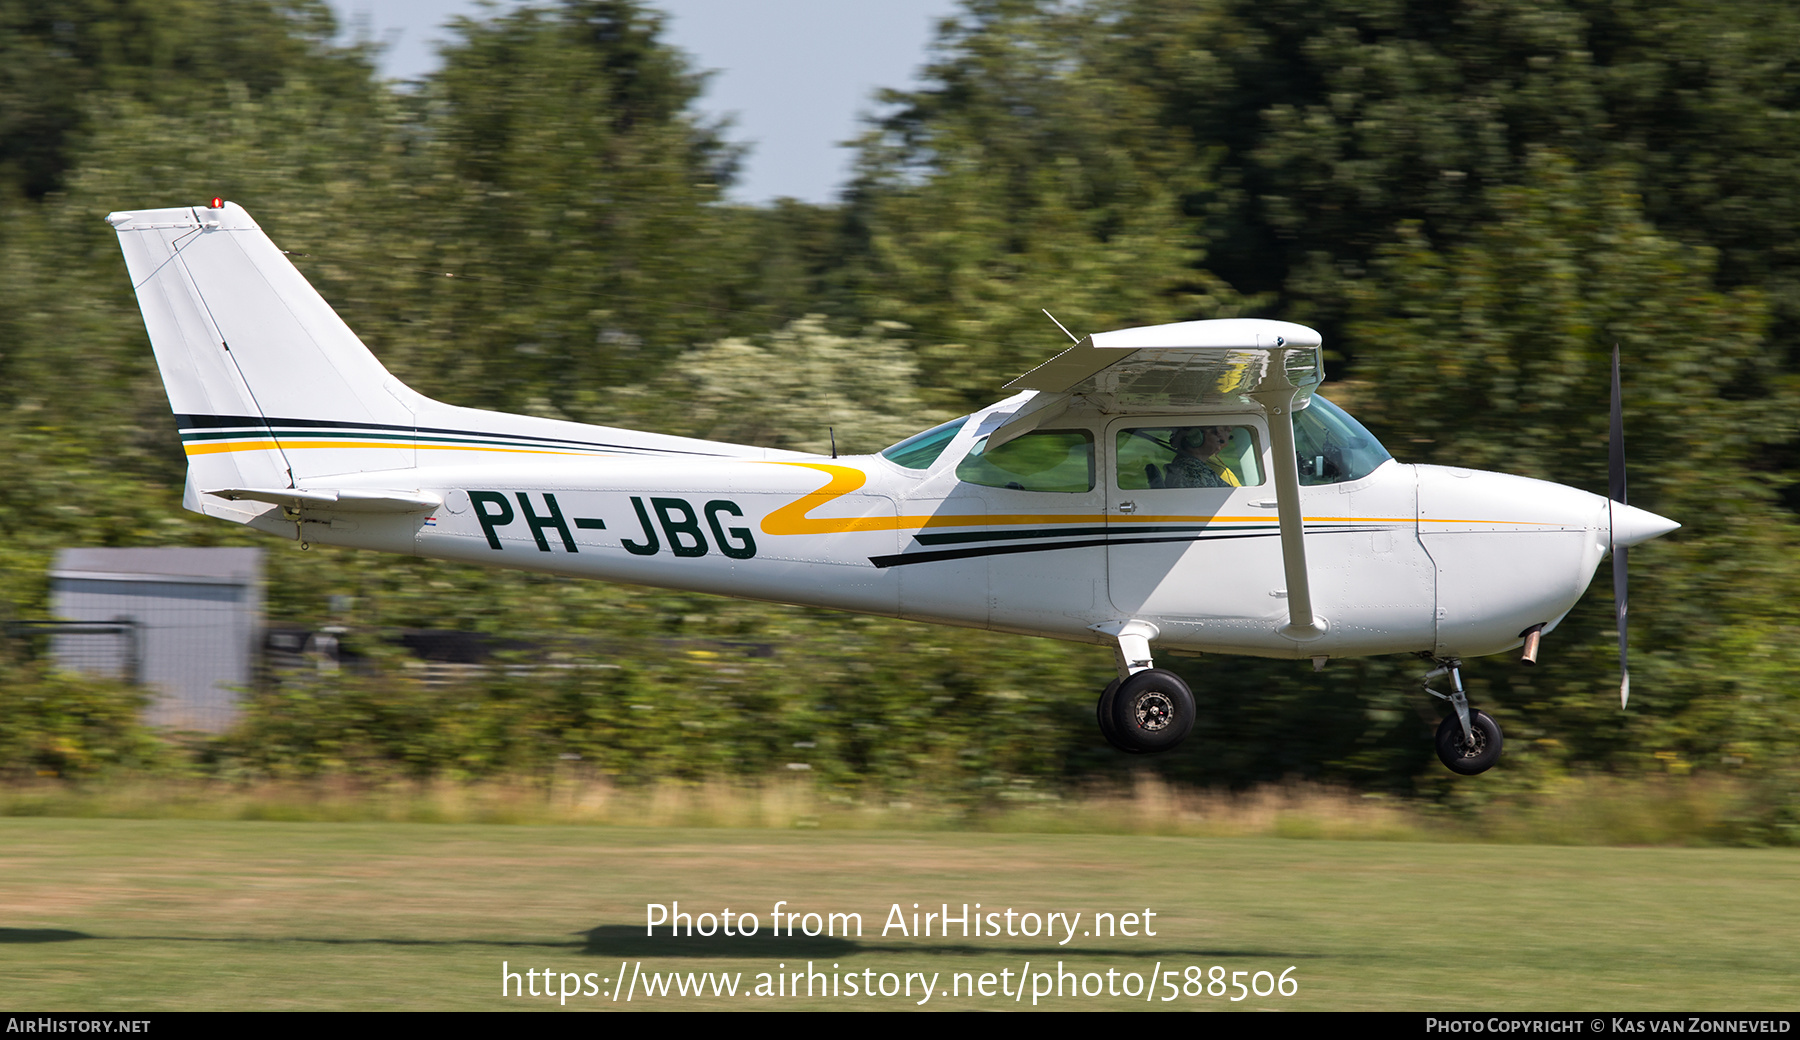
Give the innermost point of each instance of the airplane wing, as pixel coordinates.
(1274, 365)
(1190, 363)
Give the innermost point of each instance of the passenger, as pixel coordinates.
(1195, 464)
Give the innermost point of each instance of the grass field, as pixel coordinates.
(187, 914)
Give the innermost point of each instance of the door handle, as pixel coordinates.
(1127, 507)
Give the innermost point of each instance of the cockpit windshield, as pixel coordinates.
(1332, 447)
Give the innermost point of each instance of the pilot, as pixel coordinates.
(1196, 464)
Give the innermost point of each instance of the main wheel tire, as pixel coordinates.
(1461, 755)
(1103, 714)
(1152, 711)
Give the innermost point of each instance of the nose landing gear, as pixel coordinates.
(1469, 741)
(1473, 753)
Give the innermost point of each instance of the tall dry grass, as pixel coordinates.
(1591, 811)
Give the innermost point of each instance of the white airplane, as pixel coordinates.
(1175, 485)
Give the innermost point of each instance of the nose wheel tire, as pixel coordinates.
(1462, 755)
(1150, 712)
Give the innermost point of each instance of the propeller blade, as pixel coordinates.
(1615, 446)
(1619, 615)
(1615, 492)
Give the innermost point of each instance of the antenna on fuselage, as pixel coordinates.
(1060, 325)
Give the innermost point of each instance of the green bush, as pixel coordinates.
(72, 727)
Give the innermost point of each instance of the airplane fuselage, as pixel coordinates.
(1409, 558)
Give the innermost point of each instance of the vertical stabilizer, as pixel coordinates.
(267, 383)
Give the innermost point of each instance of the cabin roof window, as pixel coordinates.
(922, 449)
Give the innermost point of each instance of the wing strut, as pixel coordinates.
(1278, 408)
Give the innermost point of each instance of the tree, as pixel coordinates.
(57, 59)
(1495, 354)
(793, 387)
(1027, 174)
(580, 197)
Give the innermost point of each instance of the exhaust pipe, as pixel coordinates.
(1533, 637)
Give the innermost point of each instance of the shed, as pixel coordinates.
(196, 617)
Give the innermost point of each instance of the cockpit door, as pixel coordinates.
(1192, 538)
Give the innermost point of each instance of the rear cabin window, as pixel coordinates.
(1207, 456)
(1043, 460)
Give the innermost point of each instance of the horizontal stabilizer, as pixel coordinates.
(354, 500)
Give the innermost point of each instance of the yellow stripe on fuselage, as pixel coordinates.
(793, 519)
(217, 447)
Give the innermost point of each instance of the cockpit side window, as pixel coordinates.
(1332, 447)
(1043, 460)
(1202, 456)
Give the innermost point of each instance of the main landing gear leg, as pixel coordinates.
(1146, 709)
(1469, 741)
